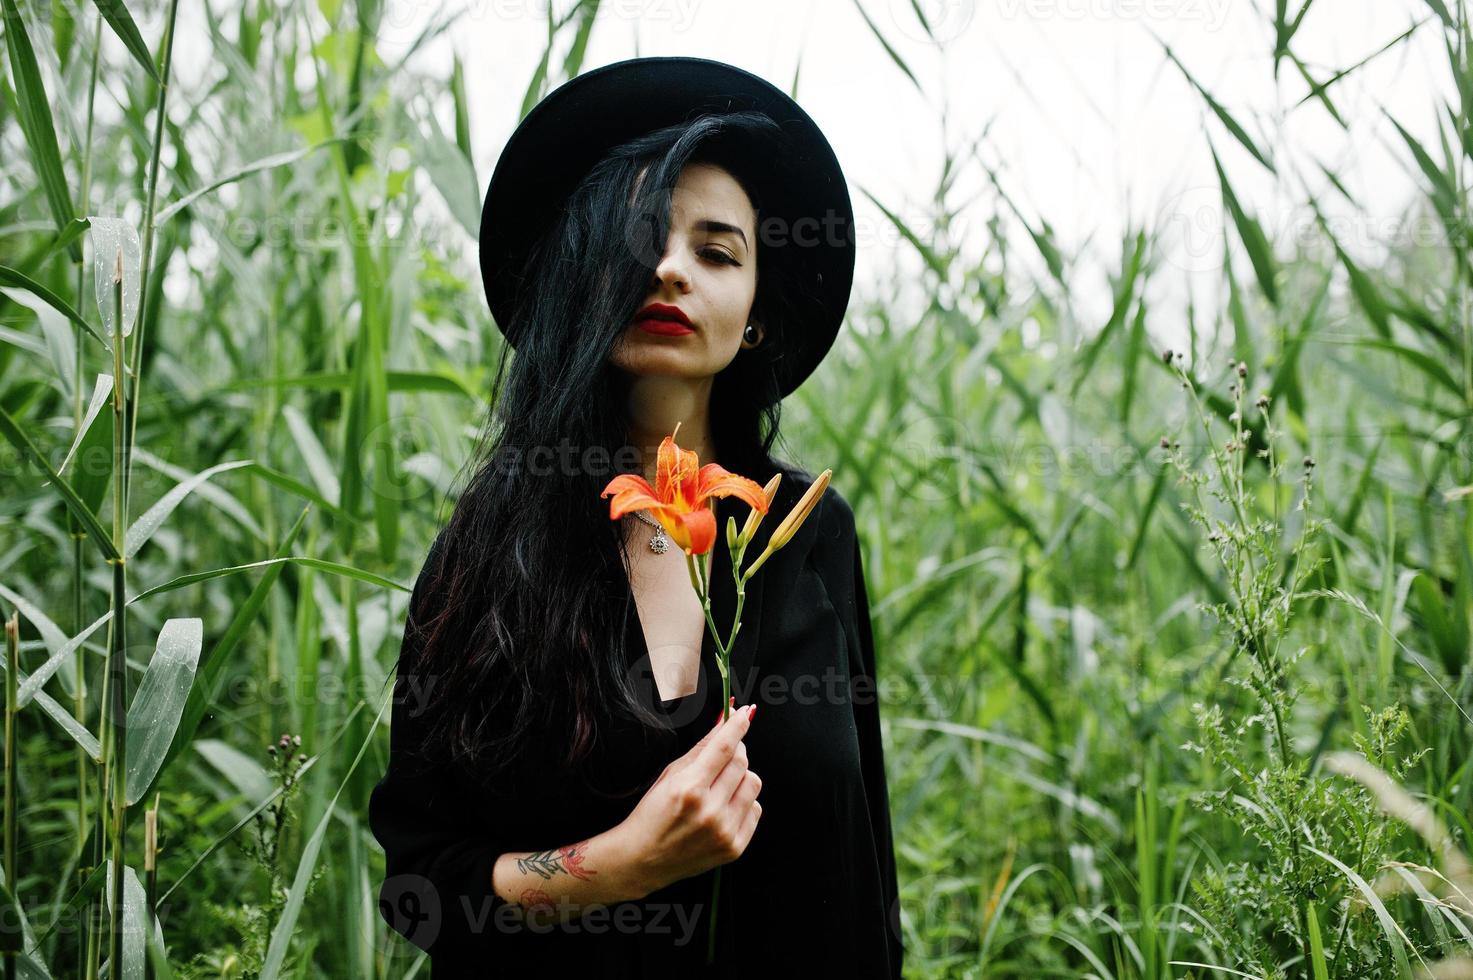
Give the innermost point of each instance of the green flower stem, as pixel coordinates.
(723, 662)
(116, 698)
(79, 700)
(12, 665)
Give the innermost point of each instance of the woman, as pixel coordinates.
(666, 242)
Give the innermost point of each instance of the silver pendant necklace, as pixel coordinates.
(660, 543)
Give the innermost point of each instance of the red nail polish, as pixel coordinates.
(752, 711)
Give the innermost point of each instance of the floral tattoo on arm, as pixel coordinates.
(536, 899)
(568, 858)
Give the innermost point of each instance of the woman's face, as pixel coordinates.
(708, 272)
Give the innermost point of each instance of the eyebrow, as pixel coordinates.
(711, 224)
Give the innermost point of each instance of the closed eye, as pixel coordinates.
(718, 255)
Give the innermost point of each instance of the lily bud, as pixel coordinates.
(731, 536)
(754, 518)
(800, 511)
(793, 521)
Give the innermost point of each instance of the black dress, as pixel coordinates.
(815, 889)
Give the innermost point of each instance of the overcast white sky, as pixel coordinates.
(1088, 124)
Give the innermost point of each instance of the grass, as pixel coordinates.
(1175, 645)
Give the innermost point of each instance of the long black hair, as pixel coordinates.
(522, 618)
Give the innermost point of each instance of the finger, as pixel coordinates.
(715, 727)
(692, 753)
(741, 752)
(731, 777)
(749, 824)
(721, 749)
(744, 793)
(739, 806)
(731, 774)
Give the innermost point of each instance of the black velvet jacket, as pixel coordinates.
(816, 888)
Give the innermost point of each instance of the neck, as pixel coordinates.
(657, 404)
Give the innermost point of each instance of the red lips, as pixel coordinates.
(661, 318)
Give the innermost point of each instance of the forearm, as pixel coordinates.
(601, 870)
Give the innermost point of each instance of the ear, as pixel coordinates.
(761, 333)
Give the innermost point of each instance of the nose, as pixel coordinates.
(671, 271)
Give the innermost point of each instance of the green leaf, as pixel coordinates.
(537, 86)
(336, 568)
(1255, 242)
(587, 12)
(117, 16)
(60, 341)
(1361, 285)
(159, 701)
(257, 166)
(1448, 634)
(1440, 9)
(33, 109)
(14, 941)
(462, 106)
(116, 254)
(1225, 117)
(426, 381)
(1317, 90)
(295, 486)
(1124, 293)
(158, 957)
(85, 892)
(1286, 384)
(84, 515)
(889, 49)
(16, 279)
(92, 448)
(1394, 937)
(1135, 346)
(319, 467)
(367, 402)
(1430, 366)
(452, 174)
(144, 528)
(276, 792)
(248, 777)
(135, 903)
(219, 496)
(1152, 499)
(936, 263)
(1316, 945)
(65, 237)
(1243, 344)
(1445, 197)
(212, 667)
(1284, 30)
(65, 719)
(59, 648)
(281, 935)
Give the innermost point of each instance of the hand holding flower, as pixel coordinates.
(681, 500)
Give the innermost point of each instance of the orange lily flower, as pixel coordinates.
(682, 494)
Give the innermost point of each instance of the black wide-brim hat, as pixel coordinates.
(806, 200)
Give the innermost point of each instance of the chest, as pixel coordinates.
(670, 614)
